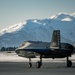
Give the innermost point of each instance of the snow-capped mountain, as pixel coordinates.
(39, 30)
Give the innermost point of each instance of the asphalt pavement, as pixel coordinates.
(48, 68)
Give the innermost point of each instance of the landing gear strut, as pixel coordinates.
(69, 63)
(30, 64)
(39, 63)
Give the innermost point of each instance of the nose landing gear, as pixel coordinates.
(30, 64)
(38, 63)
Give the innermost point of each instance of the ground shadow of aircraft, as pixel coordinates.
(55, 49)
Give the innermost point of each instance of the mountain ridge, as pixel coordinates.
(39, 30)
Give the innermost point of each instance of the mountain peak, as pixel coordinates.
(73, 14)
(13, 28)
(62, 17)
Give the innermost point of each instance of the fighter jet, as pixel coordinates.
(53, 49)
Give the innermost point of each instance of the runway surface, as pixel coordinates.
(48, 68)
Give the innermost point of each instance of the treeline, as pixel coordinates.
(8, 49)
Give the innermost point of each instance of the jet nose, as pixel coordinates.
(17, 51)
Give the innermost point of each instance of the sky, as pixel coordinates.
(15, 11)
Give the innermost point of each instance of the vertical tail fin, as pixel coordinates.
(55, 43)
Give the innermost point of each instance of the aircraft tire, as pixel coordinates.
(30, 65)
(38, 64)
(69, 63)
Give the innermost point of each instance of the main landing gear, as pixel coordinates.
(69, 63)
(38, 63)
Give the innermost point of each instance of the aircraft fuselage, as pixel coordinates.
(32, 49)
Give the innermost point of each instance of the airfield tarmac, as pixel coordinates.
(12, 64)
(48, 68)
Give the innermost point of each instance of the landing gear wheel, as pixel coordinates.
(69, 63)
(38, 64)
(30, 65)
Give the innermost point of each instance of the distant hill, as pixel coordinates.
(39, 30)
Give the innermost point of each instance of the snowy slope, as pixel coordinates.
(39, 30)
